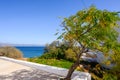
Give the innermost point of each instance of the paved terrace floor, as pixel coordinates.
(13, 71)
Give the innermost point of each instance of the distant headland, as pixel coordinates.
(11, 44)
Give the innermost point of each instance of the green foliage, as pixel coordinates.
(92, 27)
(70, 55)
(52, 62)
(58, 51)
(109, 77)
(48, 56)
(11, 52)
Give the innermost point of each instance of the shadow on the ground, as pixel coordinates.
(33, 74)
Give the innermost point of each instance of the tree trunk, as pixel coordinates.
(71, 70)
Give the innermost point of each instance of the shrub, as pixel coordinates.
(11, 52)
(48, 56)
(59, 50)
(70, 55)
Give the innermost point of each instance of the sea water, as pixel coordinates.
(31, 51)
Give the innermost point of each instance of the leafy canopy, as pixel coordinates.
(92, 28)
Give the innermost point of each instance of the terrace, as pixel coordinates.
(12, 69)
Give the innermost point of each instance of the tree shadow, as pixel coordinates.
(33, 74)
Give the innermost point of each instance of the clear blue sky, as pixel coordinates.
(36, 21)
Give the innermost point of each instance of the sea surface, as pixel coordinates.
(31, 51)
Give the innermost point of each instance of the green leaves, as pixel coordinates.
(91, 26)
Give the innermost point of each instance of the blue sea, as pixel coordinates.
(31, 51)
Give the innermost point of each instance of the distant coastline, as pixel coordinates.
(10, 44)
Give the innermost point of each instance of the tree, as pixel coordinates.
(91, 29)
